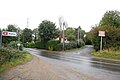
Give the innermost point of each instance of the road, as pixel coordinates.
(79, 65)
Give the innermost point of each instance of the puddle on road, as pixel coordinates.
(87, 62)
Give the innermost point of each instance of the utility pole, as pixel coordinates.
(63, 36)
(78, 35)
(63, 24)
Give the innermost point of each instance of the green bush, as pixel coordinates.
(59, 47)
(67, 46)
(30, 45)
(52, 44)
(82, 43)
(40, 44)
(13, 44)
(12, 57)
(6, 55)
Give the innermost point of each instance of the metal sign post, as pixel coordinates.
(101, 34)
(0, 39)
(101, 44)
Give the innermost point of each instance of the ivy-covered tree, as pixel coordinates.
(70, 34)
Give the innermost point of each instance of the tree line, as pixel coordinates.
(41, 35)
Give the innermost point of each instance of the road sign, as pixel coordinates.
(6, 33)
(101, 33)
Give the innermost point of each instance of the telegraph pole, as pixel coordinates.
(63, 37)
(78, 35)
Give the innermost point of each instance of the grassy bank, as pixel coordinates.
(15, 61)
(107, 54)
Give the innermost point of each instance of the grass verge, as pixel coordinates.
(107, 54)
(13, 63)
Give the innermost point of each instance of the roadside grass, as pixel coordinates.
(13, 63)
(76, 49)
(107, 54)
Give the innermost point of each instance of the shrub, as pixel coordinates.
(13, 44)
(52, 44)
(59, 47)
(6, 55)
(67, 46)
(30, 45)
(82, 43)
(40, 44)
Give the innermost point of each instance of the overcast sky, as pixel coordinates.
(84, 13)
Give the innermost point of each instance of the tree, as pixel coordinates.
(11, 28)
(27, 35)
(111, 18)
(47, 31)
(110, 23)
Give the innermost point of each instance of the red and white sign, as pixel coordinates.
(101, 33)
(6, 33)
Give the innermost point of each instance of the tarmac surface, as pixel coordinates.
(76, 65)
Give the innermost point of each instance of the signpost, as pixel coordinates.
(101, 34)
(6, 33)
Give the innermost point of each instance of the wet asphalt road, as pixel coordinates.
(73, 63)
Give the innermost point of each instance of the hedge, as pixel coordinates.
(30, 45)
(68, 46)
(52, 44)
